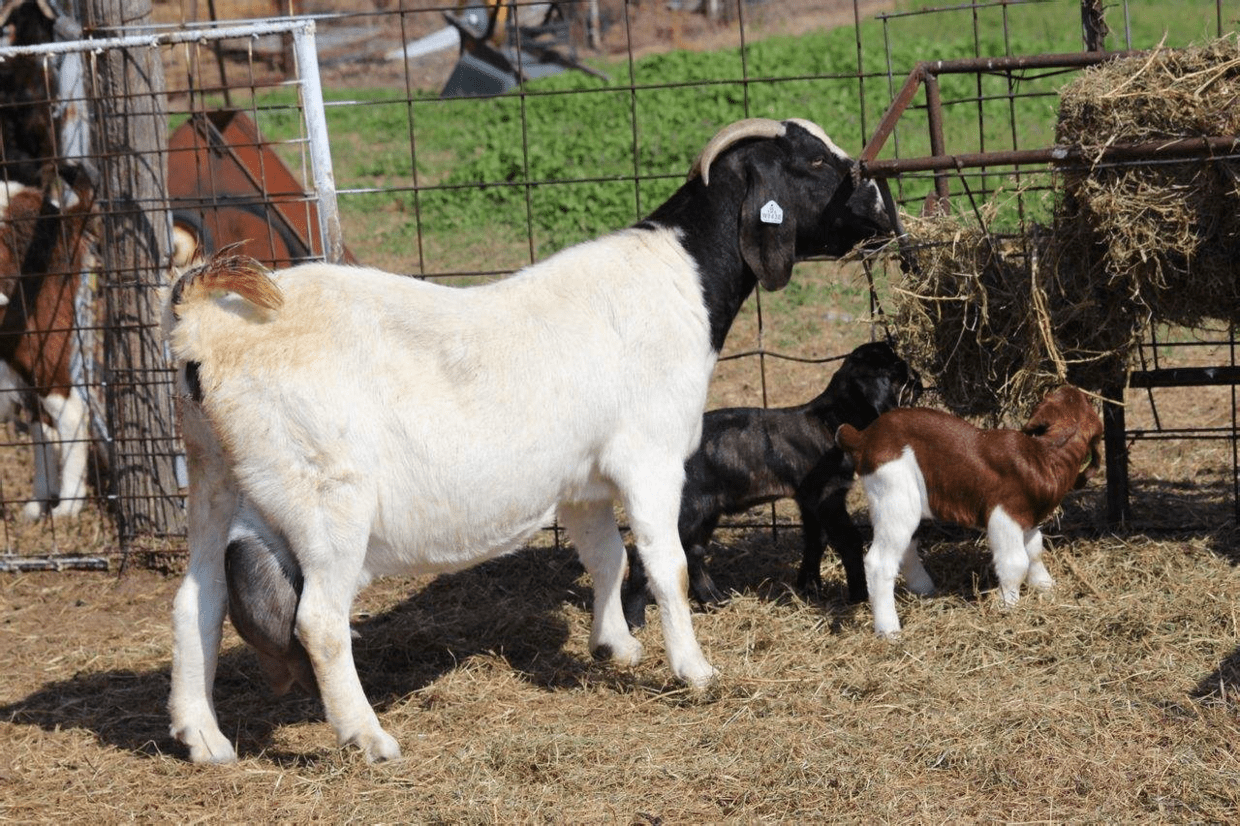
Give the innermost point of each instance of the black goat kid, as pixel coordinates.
(751, 456)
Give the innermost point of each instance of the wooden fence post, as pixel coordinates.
(131, 137)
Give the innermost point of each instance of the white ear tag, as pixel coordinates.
(771, 213)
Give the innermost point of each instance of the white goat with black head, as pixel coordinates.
(375, 424)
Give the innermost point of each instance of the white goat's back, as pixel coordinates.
(431, 400)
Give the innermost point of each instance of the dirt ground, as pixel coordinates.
(352, 47)
(1112, 700)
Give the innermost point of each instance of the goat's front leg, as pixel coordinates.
(652, 507)
(71, 416)
(197, 622)
(1007, 547)
(814, 543)
(592, 528)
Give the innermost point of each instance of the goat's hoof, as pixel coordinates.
(700, 678)
(889, 634)
(810, 590)
(215, 749)
(625, 655)
(379, 747)
(33, 511)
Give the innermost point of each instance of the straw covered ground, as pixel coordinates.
(998, 318)
(1113, 700)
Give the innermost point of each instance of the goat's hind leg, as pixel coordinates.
(895, 511)
(592, 528)
(1039, 578)
(331, 573)
(199, 606)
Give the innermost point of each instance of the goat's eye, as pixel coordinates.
(817, 162)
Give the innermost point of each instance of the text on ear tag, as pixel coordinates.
(771, 213)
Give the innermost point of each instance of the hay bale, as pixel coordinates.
(1000, 320)
(997, 320)
(1170, 232)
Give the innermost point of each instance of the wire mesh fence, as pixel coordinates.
(470, 139)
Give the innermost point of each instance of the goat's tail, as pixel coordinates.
(226, 272)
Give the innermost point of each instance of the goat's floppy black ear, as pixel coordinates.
(768, 232)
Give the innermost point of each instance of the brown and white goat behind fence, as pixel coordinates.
(917, 463)
(43, 251)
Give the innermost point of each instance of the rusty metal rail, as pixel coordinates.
(926, 74)
(941, 162)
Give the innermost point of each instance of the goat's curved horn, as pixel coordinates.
(730, 134)
(818, 132)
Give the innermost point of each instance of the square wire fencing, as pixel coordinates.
(465, 140)
(162, 180)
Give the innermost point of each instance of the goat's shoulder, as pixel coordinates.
(930, 434)
(914, 426)
(624, 257)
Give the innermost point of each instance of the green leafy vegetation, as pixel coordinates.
(571, 156)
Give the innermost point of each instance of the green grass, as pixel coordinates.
(575, 156)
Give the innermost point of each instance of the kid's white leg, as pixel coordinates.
(916, 578)
(1007, 547)
(896, 510)
(70, 414)
(1038, 577)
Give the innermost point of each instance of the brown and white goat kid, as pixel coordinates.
(917, 463)
(43, 250)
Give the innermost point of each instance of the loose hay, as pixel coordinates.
(1113, 700)
(1000, 319)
